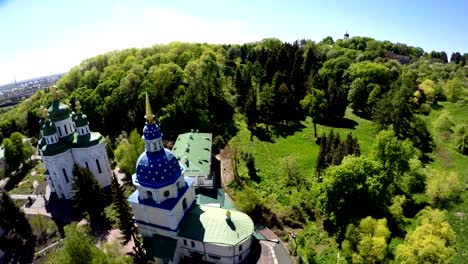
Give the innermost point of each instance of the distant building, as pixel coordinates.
(173, 226)
(402, 59)
(193, 150)
(66, 141)
(346, 35)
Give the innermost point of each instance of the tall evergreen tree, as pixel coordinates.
(126, 222)
(88, 195)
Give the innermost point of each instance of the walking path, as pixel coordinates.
(39, 204)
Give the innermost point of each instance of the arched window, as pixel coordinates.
(60, 131)
(87, 165)
(98, 166)
(149, 195)
(166, 193)
(66, 129)
(184, 204)
(65, 175)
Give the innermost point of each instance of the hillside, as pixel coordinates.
(385, 177)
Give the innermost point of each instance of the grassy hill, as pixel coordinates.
(299, 150)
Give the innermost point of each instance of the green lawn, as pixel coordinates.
(25, 186)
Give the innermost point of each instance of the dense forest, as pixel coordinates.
(387, 198)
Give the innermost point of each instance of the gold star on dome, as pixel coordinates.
(43, 113)
(55, 93)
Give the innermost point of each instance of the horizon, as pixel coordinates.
(52, 37)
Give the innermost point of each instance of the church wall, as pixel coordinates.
(55, 165)
(86, 158)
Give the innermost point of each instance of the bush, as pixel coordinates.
(442, 187)
(461, 138)
(444, 122)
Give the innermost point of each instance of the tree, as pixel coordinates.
(128, 151)
(444, 122)
(456, 57)
(453, 89)
(368, 242)
(429, 89)
(358, 180)
(125, 218)
(88, 195)
(393, 153)
(13, 156)
(18, 236)
(432, 241)
(443, 186)
(79, 247)
(313, 105)
(460, 138)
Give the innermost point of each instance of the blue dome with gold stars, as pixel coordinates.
(158, 169)
(151, 131)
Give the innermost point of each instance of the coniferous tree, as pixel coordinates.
(88, 195)
(126, 222)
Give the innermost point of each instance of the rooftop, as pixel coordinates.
(193, 149)
(160, 247)
(210, 225)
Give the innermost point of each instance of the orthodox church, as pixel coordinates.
(66, 141)
(172, 224)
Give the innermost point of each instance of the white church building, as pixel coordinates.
(66, 140)
(173, 226)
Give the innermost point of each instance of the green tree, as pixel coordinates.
(460, 138)
(453, 89)
(429, 89)
(313, 105)
(443, 186)
(88, 195)
(358, 180)
(13, 156)
(432, 241)
(79, 247)
(444, 122)
(368, 243)
(128, 151)
(125, 218)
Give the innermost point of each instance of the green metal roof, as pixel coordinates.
(58, 111)
(196, 148)
(80, 120)
(48, 128)
(87, 140)
(209, 224)
(160, 247)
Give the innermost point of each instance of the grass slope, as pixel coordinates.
(300, 146)
(447, 159)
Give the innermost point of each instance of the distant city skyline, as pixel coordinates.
(49, 36)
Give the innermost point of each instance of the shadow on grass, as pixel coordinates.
(262, 133)
(339, 123)
(16, 178)
(362, 115)
(287, 128)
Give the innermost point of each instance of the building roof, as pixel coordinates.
(58, 111)
(160, 247)
(151, 131)
(157, 169)
(210, 225)
(194, 152)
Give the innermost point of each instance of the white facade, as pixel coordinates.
(95, 159)
(216, 253)
(60, 168)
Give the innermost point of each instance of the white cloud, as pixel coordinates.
(123, 28)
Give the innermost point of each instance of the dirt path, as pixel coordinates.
(227, 174)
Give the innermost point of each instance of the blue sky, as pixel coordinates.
(48, 36)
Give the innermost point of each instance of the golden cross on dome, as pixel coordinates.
(78, 107)
(149, 113)
(55, 93)
(43, 113)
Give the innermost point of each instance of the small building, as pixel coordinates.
(164, 205)
(346, 35)
(193, 150)
(66, 141)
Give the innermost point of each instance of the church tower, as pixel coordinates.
(66, 141)
(163, 195)
(346, 35)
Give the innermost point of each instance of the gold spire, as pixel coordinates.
(149, 113)
(43, 113)
(55, 93)
(78, 107)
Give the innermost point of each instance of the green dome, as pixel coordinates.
(48, 129)
(80, 120)
(58, 111)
